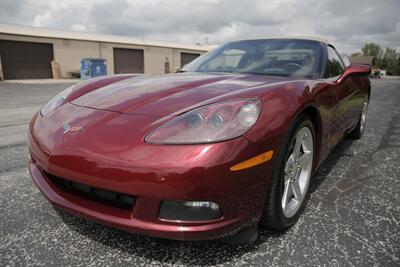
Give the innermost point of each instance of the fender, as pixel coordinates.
(301, 96)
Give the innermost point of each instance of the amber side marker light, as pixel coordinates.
(257, 160)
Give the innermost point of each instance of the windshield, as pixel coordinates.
(276, 57)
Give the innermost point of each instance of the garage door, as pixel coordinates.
(128, 60)
(24, 60)
(187, 58)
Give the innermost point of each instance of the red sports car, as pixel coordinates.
(225, 145)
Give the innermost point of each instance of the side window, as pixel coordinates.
(336, 66)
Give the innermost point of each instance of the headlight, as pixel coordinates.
(213, 123)
(55, 101)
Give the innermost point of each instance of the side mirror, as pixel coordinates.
(354, 70)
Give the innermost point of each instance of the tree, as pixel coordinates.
(390, 61)
(372, 49)
(398, 66)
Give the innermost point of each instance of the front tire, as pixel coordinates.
(290, 180)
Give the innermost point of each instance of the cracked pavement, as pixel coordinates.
(352, 216)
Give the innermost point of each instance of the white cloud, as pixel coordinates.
(348, 24)
(78, 27)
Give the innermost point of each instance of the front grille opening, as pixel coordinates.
(107, 197)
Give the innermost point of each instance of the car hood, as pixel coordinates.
(171, 94)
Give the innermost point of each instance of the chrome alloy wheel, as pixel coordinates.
(363, 114)
(297, 172)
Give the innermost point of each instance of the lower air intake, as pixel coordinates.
(108, 197)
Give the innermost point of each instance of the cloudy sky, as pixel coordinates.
(346, 23)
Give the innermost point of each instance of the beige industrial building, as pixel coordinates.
(365, 60)
(34, 53)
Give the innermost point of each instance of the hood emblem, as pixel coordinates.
(69, 129)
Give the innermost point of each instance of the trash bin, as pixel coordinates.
(93, 67)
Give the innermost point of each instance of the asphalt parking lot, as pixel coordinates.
(352, 216)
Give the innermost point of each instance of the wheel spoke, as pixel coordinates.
(289, 164)
(296, 190)
(297, 146)
(287, 193)
(304, 160)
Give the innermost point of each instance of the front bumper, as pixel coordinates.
(125, 220)
(240, 194)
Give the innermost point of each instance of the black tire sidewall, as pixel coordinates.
(289, 221)
(273, 216)
(358, 132)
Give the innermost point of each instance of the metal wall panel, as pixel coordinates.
(128, 60)
(26, 60)
(187, 58)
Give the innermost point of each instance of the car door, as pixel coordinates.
(346, 92)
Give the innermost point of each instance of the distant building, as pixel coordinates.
(365, 60)
(27, 53)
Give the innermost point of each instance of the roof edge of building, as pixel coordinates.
(84, 36)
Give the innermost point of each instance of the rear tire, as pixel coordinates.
(290, 180)
(357, 132)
